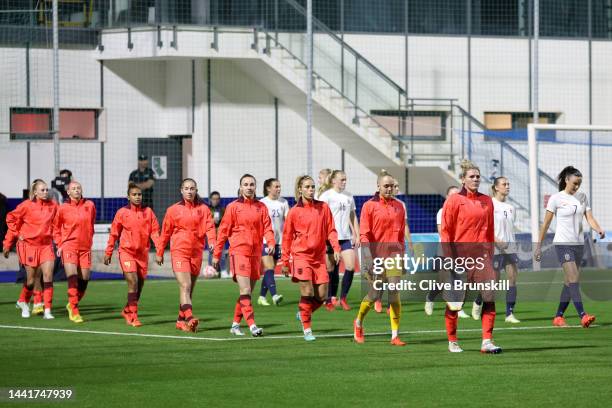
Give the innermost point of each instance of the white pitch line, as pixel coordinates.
(162, 336)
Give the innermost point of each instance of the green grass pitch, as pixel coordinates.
(161, 367)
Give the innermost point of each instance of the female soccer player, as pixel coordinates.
(382, 232)
(323, 174)
(505, 241)
(431, 295)
(278, 208)
(569, 205)
(187, 225)
(73, 229)
(342, 205)
(134, 227)
(308, 225)
(246, 223)
(31, 225)
(468, 232)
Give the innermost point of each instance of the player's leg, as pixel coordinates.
(131, 278)
(84, 273)
(305, 307)
(511, 275)
(334, 279)
(32, 274)
(267, 262)
(348, 258)
(395, 311)
(71, 269)
(47, 273)
(184, 280)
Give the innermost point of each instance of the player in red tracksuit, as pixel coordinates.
(468, 231)
(382, 232)
(308, 226)
(134, 226)
(246, 223)
(187, 225)
(73, 229)
(31, 225)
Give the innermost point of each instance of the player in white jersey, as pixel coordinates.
(278, 208)
(431, 295)
(569, 206)
(342, 206)
(505, 242)
(322, 180)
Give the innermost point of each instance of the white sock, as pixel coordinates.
(394, 334)
(357, 322)
(252, 327)
(235, 324)
(307, 331)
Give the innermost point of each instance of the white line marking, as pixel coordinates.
(162, 336)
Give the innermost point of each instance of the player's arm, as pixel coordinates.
(288, 232)
(113, 236)
(14, 221)
(211, 231)
(164, 236)
(226, 225)
(547, 220)
(594, 224)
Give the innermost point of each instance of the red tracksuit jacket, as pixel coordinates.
(73, 226)
(187, 225)
(308, 225)
(468, 217)
(32, 220)
(245, 222)
(382, 221)
(134, 227)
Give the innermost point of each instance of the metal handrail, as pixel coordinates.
(339, 40)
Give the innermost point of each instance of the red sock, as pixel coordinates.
(247, 309)
(132, 304)
(48, 294)
(38, 295)
(181, 315)
(450, 318)
(187, 312)
(316, 303)
(26, 293)
(238, 312)
(305, 307)
(73, 297)
(82, 287)
(488, 320)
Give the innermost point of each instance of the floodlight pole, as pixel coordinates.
(309, 60)
(56, 147)
(535, 66)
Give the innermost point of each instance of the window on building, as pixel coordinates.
(37, 124)
(423, 125)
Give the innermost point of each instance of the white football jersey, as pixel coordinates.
(569, 211)
(278, 210)
(504, 216)
(341, 205)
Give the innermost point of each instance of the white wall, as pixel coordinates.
(152, 98)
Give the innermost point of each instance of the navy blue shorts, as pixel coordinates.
(344, 245)
(501, 260)
(570, 253)
(277, 252)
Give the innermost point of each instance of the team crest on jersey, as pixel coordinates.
(178, 264)
(30, 259)
(242, 267)
(127, 264)
(299, 271)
